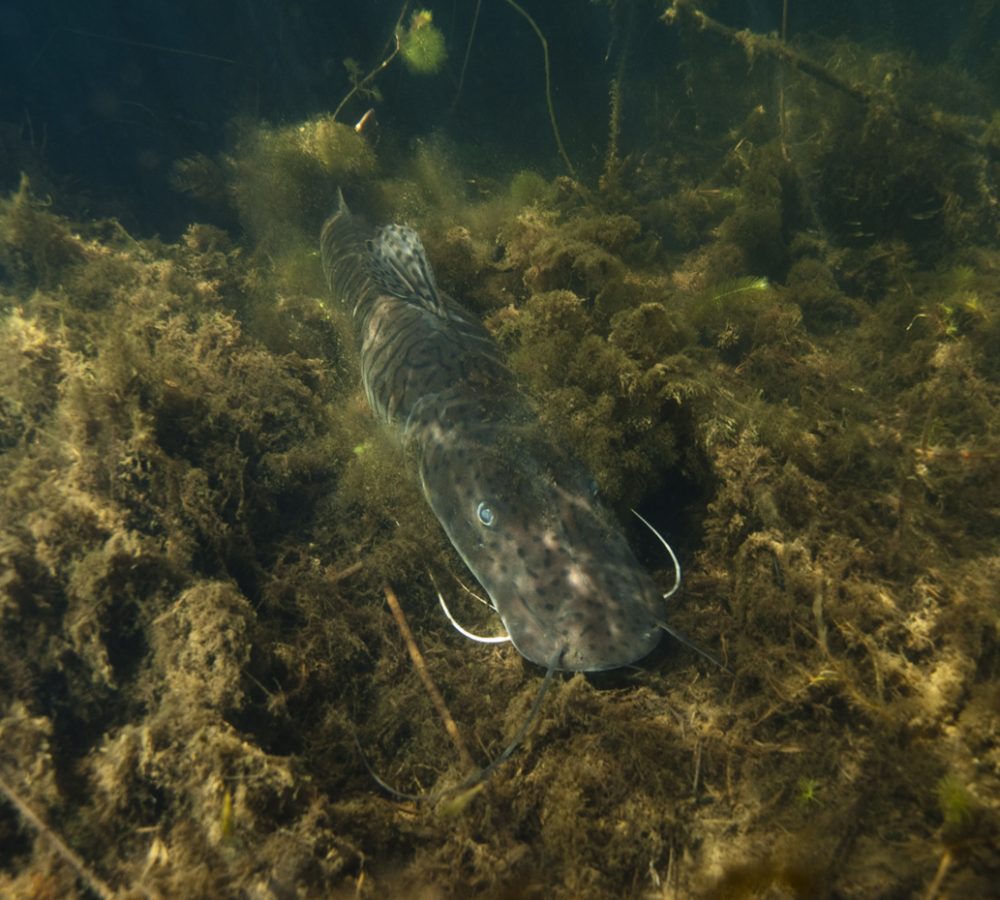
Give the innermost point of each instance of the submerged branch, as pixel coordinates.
(548, 83)
(94, 884)
(685, 12)
(425, 677)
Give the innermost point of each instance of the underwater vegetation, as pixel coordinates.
(422, 44)
(774, 336)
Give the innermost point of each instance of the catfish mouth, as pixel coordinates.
(582, 597)
(579, 657)
(591, 636)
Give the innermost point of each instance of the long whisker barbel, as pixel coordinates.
(673, 556)
(481, 639)
(471, 592)
(669, 629)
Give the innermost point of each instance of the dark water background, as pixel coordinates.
(110, 94)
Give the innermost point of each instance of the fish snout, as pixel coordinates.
(594, 622)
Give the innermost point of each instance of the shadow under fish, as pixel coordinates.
(556, 567)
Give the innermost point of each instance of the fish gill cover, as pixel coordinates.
(744, 267)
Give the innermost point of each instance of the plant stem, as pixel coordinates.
(548, 84)
(381, 66)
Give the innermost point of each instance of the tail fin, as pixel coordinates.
(345, 255)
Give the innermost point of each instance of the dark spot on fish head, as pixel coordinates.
(572, 581)
(556, 567)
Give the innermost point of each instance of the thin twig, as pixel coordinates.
(468, 53)
(381, 66)
(347, 572)
(942, 870)
(369, 77)
(548, 84)
(782, 117)
(94, 883)
(142, 45)
(425, 676)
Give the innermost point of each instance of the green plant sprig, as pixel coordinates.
(420, 43)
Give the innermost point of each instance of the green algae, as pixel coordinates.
(422, 44)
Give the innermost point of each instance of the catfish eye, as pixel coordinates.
(485, 514)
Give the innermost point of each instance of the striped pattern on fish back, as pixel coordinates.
(416, 344)
(415, 365)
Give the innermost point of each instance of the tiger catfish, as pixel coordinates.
(559, 573)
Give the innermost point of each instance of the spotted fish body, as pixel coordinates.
(564, 581)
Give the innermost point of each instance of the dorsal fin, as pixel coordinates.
(399, 267)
